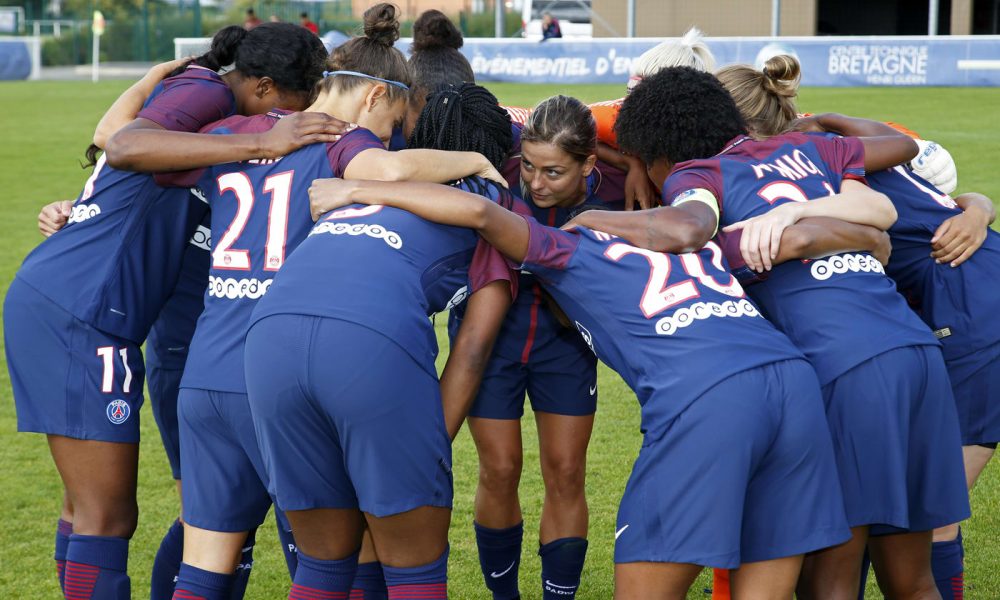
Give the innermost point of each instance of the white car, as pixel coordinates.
(573, 17)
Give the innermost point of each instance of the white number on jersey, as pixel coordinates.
(778, 190)
(658, 296)
(280, 188)
(942, 199)
(107, 354)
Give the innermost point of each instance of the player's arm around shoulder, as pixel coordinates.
(686, 226)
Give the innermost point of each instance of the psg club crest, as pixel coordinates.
(118, 411)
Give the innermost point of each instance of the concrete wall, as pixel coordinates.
(671, 18)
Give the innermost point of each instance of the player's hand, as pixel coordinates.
(301, 129)
(638, 188)
(959, 237)
(762, 235)
(580, 220)
(54, 216)
(490, 172)
(808, 124)
(883, 251)
(936, 165)
(329, 194)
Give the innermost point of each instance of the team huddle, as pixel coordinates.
(798, 308)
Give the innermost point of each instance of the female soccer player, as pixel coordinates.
(435, 62)
(932, 237)
(255, 225)
(125, 238)
(537, 354)
(726, 400)
(345, 444)
(884, 383)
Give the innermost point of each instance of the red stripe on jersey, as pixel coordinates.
(536, 290)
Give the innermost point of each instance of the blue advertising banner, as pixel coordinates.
(15, 58)
(826, 61)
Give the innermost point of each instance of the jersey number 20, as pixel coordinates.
(280, 188)
(658, 296)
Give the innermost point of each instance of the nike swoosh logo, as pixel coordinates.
(496, 575)
(620, 531)
(117, 312)
(593, 390)
(561, 587)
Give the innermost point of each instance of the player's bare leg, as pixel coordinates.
(411, 539)
(767, 579)
(66, 514)
(214, 551)
(563, 442)
(498, 443)
(654, 581)
(902, 565)
(100, 484)
(367, 553)
(834, 573)
(327, 533)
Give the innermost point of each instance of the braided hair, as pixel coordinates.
(466, 118)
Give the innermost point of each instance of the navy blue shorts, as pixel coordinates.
(346, 418)
(975, 379)
(896, 439)
(224, 487)
(164, 386)
(746, 473)
(69, 379)
(566, 385)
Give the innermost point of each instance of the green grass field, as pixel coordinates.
(47, 127)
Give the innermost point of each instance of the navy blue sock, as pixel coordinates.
(369, 582)
(63, 530)
(949, 571)
(499, 558)
(167, 563)
(287, 542)
(197, 584)
(426, 582)
(242, 576)
(866, 565)
(562, 564)
(95, 568)
(323, 579)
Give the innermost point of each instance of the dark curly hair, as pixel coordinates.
(466, 118)
(678, 114)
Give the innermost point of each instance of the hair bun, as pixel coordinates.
(381, 24)
(225, 43)
(782, 74)
(433, 29)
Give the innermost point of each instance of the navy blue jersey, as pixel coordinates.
(170, 337)
(388, 270)
(260, 213)
(958, 304)
(840, 310)
(117, 260)
(673, 326)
